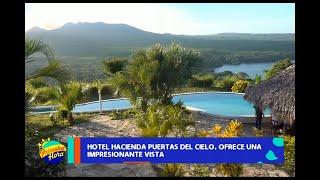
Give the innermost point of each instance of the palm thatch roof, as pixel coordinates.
(277, 93)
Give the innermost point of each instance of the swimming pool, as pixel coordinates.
(219, 103)
(216, 103)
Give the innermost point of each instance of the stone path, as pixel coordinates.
(264, 170)
(111, 170)
(103, 126)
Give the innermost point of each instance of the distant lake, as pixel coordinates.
(251, 69)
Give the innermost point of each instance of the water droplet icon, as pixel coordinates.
(271, 156)
(278, 142)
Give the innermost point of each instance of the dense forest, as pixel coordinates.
(83, 46)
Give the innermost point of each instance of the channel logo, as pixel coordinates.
(52, 152)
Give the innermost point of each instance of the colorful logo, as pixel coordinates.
(52, 152)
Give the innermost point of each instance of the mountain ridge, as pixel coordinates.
(122, 24)
(97, 39)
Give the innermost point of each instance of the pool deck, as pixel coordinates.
(242, 118)
(247, 119)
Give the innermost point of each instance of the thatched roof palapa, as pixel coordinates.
(277, 93)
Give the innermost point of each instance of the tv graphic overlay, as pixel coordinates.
(52, 152)
(175, 150)
(113, 94)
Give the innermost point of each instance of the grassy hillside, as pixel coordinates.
(83, 46)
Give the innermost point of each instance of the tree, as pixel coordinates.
(36, 90)
(257, 79)
(53, 70)
(243, 75)
(200, 82)
(226, 83)
(155, 74)
(279, 66)
(224, 73)
(113, 65)
(99, 85)
(66, 96)
(174, 66)
(240, 86)
(134, 82)
(33, 46)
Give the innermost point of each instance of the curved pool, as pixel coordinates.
(216, 103)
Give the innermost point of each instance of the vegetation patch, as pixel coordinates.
(233, 129)
(119, 115)
(172, 170)
(289, 154)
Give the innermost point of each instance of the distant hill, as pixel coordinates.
(101, 40)
(82, 46)
(248, 36)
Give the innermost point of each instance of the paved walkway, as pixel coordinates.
(103, 126)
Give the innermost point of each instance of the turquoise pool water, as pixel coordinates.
(223, 104)
(107, 105)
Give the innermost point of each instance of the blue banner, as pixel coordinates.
(182, 150)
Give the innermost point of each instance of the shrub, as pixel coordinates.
(199, 170)
(289, 154)
(279, 66)
(27, 102)
(193, 82)
(37, 82)
(113, 65)
(231, 170)
(234, 129)
(217, 128)
(224, 73)
(257, 132)
(128, 114)
(204, 80)
(240, 86)
(53, 119)
(118, 115)
(226, 82)
(180, 104)
(66, 96)
(62, 114)
(203, 133)
(160, 120)
(173, 170)
(153, 123)
(257, 79)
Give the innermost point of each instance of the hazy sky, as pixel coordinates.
(175, 18)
